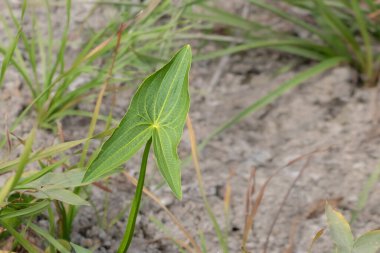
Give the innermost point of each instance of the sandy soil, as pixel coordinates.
(328, 112)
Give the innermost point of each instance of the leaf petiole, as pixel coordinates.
(128, 234)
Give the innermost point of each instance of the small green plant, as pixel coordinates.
(345, 242)
(58, 84)
(39, 191)
(155, 116)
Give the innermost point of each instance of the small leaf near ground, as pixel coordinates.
(158, 110)
(367, 243)
(340, 230)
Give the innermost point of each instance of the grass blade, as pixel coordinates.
(45, 234)
(31, 210)
(365, 192)
(19, 238)
(12, 47)
(24, 159)
(288, 85)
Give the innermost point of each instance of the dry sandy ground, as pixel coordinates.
(328, 112)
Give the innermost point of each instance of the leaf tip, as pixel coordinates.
(178, 194)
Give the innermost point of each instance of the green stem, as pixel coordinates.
(127, 238)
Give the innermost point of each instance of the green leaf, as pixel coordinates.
(157, 110)
(368, 243)
(61, 195)
(45, 234)
(29, 211)
(365, 193)
(340, 230)
(20, 238)
(56, 180)
(38, 155)
(79, 249)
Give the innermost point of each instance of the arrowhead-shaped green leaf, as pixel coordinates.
(158, 110)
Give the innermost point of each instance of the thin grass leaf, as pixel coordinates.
(19, 67)
(340, 29)
(60, 59)
(203, 241)
(38, 155)
(365, 192)
(79, 249)
(12, 47)
(288, 85)
(46, 235)
(28, 211)
(287, 16)
(19, 238)
(295, 45)
(363, 27)
(23, 161)
(219, 16)
(157, 110)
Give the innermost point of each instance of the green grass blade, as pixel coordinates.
(291, 18)
(79, 249)
(365, 192)
(19, 238)
(35, 156)
(215, 15)
(22, 70)
(60, 59)
(23, 161)
(28, 211)
(12, 46)
(128, 234)
(46, 235)
(339, 28)
(301, 44)
(288, 85)
(203, 241)
(363, 27)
